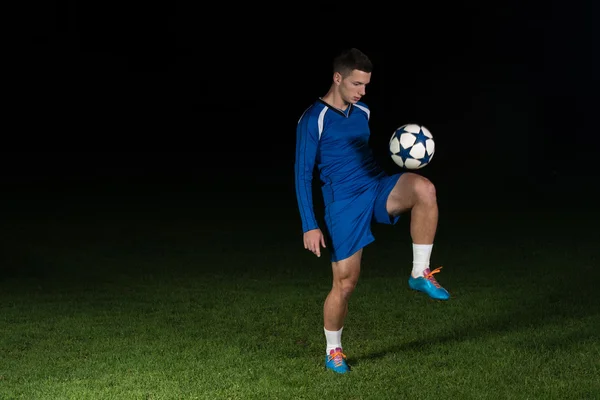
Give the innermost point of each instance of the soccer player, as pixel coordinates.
(333, 136)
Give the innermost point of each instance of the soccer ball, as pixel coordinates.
(412, 146)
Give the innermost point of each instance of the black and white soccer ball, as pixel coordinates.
(412, 146)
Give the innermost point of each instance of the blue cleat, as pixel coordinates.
(336, 361)
(428, 284)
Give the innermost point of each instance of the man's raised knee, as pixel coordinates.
(424, 190)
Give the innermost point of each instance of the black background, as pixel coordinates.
(209, 95)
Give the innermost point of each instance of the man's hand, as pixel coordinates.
(313, 240)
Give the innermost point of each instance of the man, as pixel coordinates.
(333, 135)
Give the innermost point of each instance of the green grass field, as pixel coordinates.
(153, 293)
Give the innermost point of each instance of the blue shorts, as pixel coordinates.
(349, 220)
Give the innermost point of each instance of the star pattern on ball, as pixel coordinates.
(404, 153)
(426, 158)
(421, 138)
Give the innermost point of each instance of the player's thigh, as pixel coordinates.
(409, 188)
(348, 269)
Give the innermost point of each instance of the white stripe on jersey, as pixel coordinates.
(321, 118)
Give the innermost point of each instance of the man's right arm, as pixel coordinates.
(307, 141)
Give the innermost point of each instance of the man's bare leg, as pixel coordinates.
(416, 193)
(345, 278)
(335, 309)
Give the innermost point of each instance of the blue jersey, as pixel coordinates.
(337, 143)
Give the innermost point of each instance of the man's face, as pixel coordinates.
(353, 87)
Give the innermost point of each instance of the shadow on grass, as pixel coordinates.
(570, 303)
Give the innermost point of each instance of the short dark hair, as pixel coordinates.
(351, 59)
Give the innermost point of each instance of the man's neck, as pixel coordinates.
(334, 100)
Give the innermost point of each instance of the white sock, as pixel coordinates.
(334, 339)
(421, 255)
